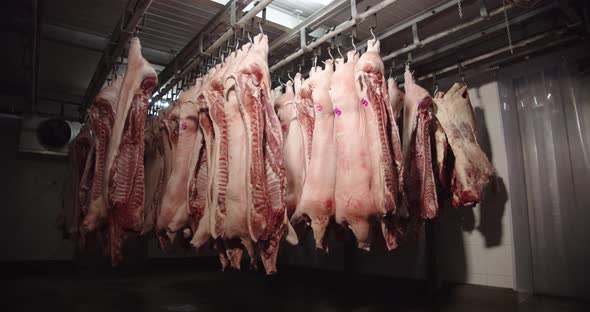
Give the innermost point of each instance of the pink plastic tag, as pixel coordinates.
(364, 102)
(337, 111)
(319, 107)
(183, 125)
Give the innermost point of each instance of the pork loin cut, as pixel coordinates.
(472, 169)
(123, 185)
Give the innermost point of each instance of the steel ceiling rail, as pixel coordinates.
(521, 44)
(127, 24)
(439, 8)
(446, 33)
(190, 50)
(312, 21)
(333, 32)
(480, 34)
(214, 46)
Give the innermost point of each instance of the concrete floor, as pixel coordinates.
(185, 288)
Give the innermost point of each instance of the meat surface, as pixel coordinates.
(354, 200)
(188, 142)
(235, 228)
(80, 155)
(472, 169)
(441, 148)
(123, 185)
(317, 198)
(419, 184)
(101, 119)
(265, 169)
(374, 100)
(293, 148)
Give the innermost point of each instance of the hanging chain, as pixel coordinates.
(507, 27)
(460, 9)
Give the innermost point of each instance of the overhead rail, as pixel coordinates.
(356, 19)
(489, 55)
(413, 21)
(191, 49)
(125, 29)
(311, 22)
(178, 77)
(475, 36)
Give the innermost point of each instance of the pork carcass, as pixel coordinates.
(234, 230)
(188, 142)
(80, 156)
(374, 101)
(472, 169)
(101, 119)
(317, 198)
(355, 201)
(419, 185)
(441, 148)
(170, 135)
(123, 185)
(293, 149)
(267, 219)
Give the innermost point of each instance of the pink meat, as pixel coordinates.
(374, 100)
(293, 148)
(187, 144)
(235, 235)
(170, 137)
(472, 169)
(123, 180)
(419, 183)
(101, 119)
(355, 202)
(317, 198)
(265, 168)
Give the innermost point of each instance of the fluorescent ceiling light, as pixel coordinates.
(282, 17)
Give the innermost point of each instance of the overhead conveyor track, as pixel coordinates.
(193, 63)
(201, 49)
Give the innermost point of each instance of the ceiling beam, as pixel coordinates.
(128, 23)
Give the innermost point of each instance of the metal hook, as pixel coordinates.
(289, 75)
(372, 33)
(249, 37)
(339, 52)
(260, 27)
(330, 53)
(435, 84)
(353, 45)
(280, 82)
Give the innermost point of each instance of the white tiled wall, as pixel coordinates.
(487, 243)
